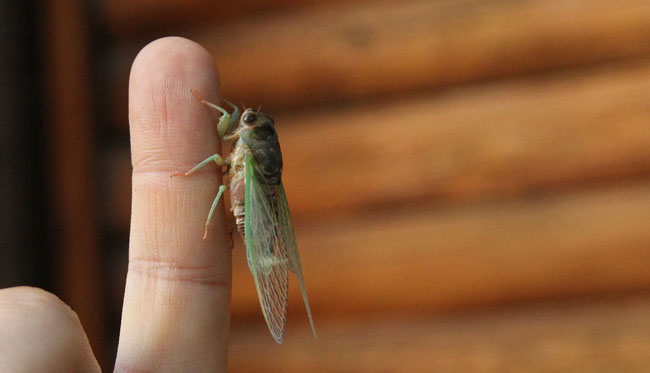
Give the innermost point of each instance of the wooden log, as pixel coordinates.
(381, 48)
(377, 48)
(134, 18)
(476, 142)
(468, 144)
(594, 336)
(433, 258)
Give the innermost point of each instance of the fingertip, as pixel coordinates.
(169, 127)
(39, 330)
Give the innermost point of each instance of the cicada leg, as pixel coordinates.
(227, 121)
(232, 121)
(222, 188)
(216, 158)
(213, 158)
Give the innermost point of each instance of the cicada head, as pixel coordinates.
(255, 126)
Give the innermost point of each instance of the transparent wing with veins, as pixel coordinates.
(288, 242)
(268, 259)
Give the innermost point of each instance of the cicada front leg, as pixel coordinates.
(227, 121)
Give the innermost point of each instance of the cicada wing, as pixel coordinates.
(267, 258)
(288, 242)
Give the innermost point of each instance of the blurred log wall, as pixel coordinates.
(470, 180)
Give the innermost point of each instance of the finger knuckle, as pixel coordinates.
(169, 271)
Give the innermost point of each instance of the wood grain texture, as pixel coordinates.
(450, 156)
(483, 194)
(376, 49)
(473, 142)
(433, 258)
(563, 337)
(370, 49)
(123, 18)
(468, 144)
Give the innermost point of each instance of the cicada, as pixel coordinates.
(259, 204)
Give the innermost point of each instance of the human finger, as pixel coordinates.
(38, 332)
(176, 305)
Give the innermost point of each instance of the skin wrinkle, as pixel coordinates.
(150, 147)
(164, 112)
(175, 272)
(171, 367)
(173, 227)
(172, 83)
(125, 368)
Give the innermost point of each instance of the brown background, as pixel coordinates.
(469, 179)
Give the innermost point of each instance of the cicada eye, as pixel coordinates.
(250, 118)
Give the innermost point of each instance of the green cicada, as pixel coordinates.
(259, 203)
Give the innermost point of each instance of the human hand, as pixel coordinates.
(175, 315)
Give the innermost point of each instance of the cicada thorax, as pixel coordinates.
(261, 141)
